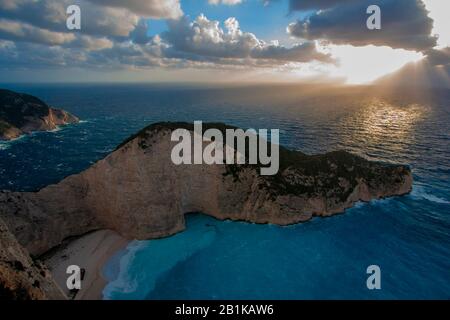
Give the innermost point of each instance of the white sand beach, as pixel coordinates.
(90, 252)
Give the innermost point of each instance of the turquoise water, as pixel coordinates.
(408, 237)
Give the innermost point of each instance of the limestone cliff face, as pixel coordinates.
(138, 192)
(21, 278)
(21, 114)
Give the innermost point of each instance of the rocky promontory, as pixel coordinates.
(22, 113)
(138, 192)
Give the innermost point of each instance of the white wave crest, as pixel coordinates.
(419, 192)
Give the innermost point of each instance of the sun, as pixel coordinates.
(361, 65)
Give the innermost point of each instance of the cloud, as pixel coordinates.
(405, 24)
(112, 37)
(438, 57)
(11, 4)
(225, 2)
(92, 44)
(198, 44)
(301, 5)
(51, 15)
(170, 9)
(16, 31)
(304, 52)
(22, 32)
(16, 55)
(205, 39)
(139, 34)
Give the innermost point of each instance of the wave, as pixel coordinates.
(122, 280)
(58, 128)
(4, 145)
(419, 193)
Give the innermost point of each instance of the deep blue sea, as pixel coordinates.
(407, 237)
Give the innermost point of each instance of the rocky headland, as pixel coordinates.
(138, 192)
(22, 114)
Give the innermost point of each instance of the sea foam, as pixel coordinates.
(419, 193)
(145, 261)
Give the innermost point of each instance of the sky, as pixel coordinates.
(219, 40)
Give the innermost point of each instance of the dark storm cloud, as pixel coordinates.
(405, 24)
(439, 57)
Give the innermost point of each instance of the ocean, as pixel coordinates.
(408, 237)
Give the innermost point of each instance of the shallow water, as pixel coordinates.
(408, 237)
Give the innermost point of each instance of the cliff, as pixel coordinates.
(21, 114)
(21, 278)
(138, 192)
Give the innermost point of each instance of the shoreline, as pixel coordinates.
(90, 252)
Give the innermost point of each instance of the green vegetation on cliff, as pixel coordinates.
(334, 174)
